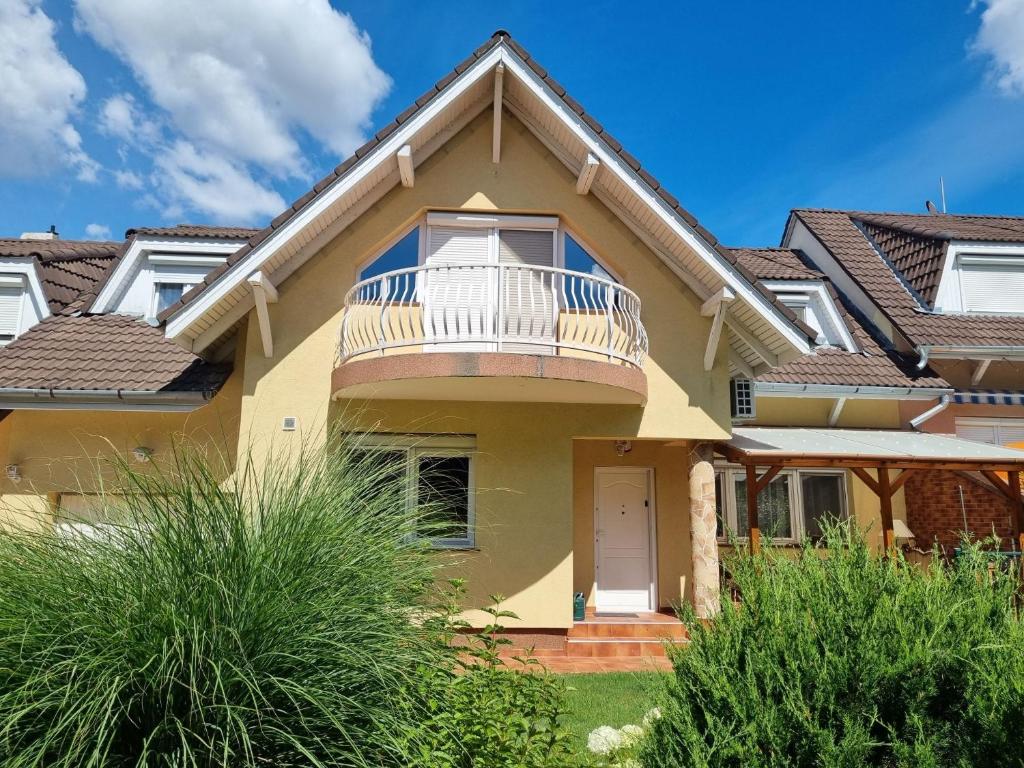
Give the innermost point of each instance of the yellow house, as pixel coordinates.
(495, 290)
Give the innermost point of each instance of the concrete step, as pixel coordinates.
(640, 630)
(616, 647)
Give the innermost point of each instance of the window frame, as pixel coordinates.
(965, 259)
(159, 280)
(727, 474)
(416, 447)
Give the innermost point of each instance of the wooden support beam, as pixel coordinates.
(836, 412)
(753, 525)
(717, 305)
(979, 372)
(767, 477)
(885, 504)
(748, 338)
(867, 479)
(405, 169)
(1001, 485)
(1017, 509)
(499, 77)
(900, 479)
(264, 293)
(740, 364)
(587, 174)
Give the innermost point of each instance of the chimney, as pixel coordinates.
(50, 234)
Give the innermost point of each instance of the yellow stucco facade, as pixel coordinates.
(534, 461)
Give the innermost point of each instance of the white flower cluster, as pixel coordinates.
(609, 742)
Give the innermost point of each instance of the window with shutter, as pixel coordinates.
(11, 299)
(458, 297)
(528, 295)
(992, 284)
(1007, 432)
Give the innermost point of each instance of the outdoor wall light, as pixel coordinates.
(13, 473)
(142, 454)
(622, 447)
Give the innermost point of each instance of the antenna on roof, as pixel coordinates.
(942, 192)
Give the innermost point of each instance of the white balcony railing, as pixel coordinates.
(494, 307)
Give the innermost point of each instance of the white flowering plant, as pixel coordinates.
(619, 747)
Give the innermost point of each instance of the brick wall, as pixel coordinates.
(934, 513)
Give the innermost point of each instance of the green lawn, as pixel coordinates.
(615, 699)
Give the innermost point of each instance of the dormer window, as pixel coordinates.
(812, 303)
(992, 283)
(166, 293)
(12, 299)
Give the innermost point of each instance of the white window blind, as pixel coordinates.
(994, 284)
(458, 299)
(528, 296)
(1007, 432)
(10, 312)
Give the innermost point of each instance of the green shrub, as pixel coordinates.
(848, 659)
(268, 621)
(481, 713)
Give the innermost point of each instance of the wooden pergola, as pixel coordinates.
(892, 455)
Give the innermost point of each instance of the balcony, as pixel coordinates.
(492, 332)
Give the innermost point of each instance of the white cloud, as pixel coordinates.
(121, 117)
(40, 91)
(126, 179)
(246, 79)
(97, 232)
(191, 180)
(1001, 37)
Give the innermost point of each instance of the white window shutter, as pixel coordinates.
(996, 288)
(981, 433)
(10, 312)
(528, 296)
(457, 297)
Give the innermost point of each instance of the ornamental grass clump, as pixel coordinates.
(272, 619)
(845, 658)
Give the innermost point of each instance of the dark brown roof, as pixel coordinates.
(876, 274)
(104, 352)
(71, 271)
(195, 230)
(828, 365)
(776, 263)
(610, 142)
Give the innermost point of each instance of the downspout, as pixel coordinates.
(920, 419)
(922, 354)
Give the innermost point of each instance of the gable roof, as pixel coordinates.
(848, 237)
(187, 318)
(875, 364)
(69, 270)
(195, 230)
(103, 353)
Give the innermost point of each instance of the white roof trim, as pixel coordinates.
(179, 323)
(816, 287)
(138, 250)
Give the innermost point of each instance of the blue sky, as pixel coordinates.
(223, 111)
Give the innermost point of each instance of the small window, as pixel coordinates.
(993, 284)
(11, 300)
(578, 260)
(774, 508)
(165, 294)
(823, 499)
(741, 398)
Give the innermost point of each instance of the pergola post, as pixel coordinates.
(704, 531)
(753, 524)
(1016, 508)
(885, 505)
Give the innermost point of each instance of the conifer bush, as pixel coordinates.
(844, 658)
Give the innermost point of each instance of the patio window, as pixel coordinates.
(438, 474)
(795, 503)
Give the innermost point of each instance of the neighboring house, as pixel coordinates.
(946, 292)
(498, 297)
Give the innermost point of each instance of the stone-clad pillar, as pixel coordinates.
(703, 531)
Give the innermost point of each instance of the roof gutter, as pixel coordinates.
(18, 398)
(776, 389)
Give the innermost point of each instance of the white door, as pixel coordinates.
(624, 562)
